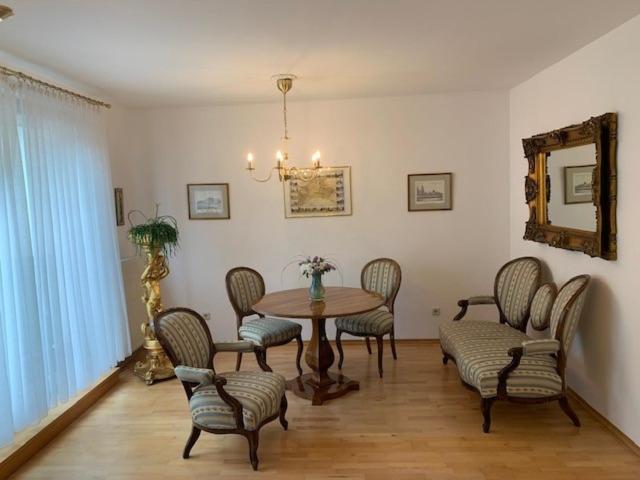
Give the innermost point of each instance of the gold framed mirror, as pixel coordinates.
(571, 187)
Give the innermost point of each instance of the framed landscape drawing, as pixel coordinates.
(328, 194)
(208, 201)
(578, 182)
(430, 191)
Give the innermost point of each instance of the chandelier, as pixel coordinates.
(286, 172)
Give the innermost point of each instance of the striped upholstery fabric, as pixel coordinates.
(260, 394)
(203, 376)
(246, 288)
(480, 350)
(377, 322)
(382, 277)
(515, 287)
(540, 346)
(541, 306)
(188, 339)
(565, 296)
(269, 331)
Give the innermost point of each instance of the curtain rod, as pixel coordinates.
(25, 77)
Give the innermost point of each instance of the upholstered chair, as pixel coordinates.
(245, 287)
(381, 276)
(234, 402)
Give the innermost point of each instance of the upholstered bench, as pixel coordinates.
(501, 362)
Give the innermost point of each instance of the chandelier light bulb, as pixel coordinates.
(315, 159)
(250, 161)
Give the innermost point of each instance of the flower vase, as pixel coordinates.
(316, 290)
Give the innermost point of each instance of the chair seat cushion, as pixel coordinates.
(480, 350)
(269, 331)
(377, 322)
(260, 394)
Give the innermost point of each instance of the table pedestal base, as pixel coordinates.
(307, 386)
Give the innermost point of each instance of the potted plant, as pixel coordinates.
(156, 238)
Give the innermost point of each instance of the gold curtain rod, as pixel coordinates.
(24, 76)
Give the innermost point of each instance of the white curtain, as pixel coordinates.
(62, 316)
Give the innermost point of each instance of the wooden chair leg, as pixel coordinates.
(339, 346)
(193, 438)
(368, 345)
(393, 344)
(485, 405)
(238, 361)
(380, 343)
(566, 408)
(261, 358)
(299, 355)
(283, 411)
(253, 439)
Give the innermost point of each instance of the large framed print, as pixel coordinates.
(326, 194)
(208, 201)
(429, 191)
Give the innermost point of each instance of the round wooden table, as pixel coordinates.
(320, 385)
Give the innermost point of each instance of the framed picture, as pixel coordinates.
(208, 201)
(119, 204)
(578, 182)
(327, 194)
(429, 191)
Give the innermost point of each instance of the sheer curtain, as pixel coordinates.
(62, 317)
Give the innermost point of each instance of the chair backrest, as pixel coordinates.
(382, 276)
(541, 306)
(516, 284)
(245, 286)
(185, 337)
(567, 309)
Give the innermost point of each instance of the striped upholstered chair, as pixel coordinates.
(245, 287)
(234, 402)
(381, 276)
(503, 363)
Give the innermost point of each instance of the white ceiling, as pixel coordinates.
(185, 52)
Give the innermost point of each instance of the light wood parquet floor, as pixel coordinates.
(416, 423)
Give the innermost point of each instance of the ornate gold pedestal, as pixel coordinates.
(156, 365)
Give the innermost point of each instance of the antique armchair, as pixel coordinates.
(381, 276)
(234, 402)
(506, 364)
(245, 287)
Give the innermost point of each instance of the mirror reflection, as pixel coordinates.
(571, 199)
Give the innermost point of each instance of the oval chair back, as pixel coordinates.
(515, 285)
(382, 276)
(245, 286)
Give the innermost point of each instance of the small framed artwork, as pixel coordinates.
(208, 201)
(578, 183)
(430, 191)
(119, 204)
(325, 195)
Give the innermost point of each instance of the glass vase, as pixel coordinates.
(316, 290)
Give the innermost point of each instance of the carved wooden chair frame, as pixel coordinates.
(390, 306)
(219, 382)
(601, 131)
(240, 316)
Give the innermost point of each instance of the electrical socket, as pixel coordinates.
(435, 311)
(206, 316)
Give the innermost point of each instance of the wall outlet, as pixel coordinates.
(206, 316)
(435, 311)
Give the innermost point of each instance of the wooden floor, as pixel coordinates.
(416, 423)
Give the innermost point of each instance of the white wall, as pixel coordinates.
(445, 255)
(602, 77)
(127, 143)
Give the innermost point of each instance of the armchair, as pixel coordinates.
(234, 402)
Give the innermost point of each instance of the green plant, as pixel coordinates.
(158, 232)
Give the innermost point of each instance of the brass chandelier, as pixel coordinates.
(286, 172)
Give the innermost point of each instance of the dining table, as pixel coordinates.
(320, 384)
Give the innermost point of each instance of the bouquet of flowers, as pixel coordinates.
(311, 266)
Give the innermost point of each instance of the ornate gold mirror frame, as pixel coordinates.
(601, 131)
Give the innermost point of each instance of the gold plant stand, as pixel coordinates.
(156, 366)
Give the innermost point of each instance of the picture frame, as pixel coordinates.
(328, 194)
(578, 184)
(118, 195)
(429, 191)
(208, 201)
